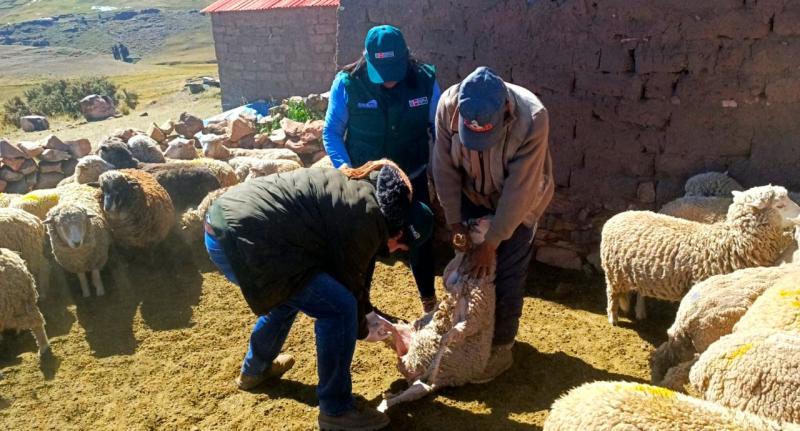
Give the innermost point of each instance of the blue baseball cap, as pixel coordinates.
(481, 105)
(386, 54)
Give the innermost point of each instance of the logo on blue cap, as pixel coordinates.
(386, 54)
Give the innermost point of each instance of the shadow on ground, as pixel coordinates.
(532, 384)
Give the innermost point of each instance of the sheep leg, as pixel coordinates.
(44, 280)
(98, 282)
(41, 339)
(416, 391)
(84, 285)
(641, 308)
(613, 304)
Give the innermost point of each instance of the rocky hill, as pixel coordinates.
(142, 32)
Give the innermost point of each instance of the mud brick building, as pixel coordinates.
(641, 95)
(272, 49)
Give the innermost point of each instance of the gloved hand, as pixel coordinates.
(379, 328)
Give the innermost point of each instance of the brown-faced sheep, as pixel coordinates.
(18, 309)
(662, 257)
(187, 185)
(138, 210)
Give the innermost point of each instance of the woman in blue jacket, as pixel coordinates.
(384, 106)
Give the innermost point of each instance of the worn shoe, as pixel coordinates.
(280, 365)
(499, 362)
(358, 419)
(429, 303)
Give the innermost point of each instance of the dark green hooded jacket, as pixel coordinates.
(281, 230)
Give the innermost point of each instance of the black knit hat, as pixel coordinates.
(394, 200)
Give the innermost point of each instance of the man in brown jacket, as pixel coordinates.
(491, 156)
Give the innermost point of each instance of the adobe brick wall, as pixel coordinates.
(274, 53)
(641, 94)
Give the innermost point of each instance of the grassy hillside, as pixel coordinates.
(22, 10)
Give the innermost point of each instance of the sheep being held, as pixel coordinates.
(138, 210)
(662, 257)
(453, 344)
(79, 235)
(18, 309)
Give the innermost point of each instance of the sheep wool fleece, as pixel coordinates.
(611, 406)
(18, 309)
(755, 371)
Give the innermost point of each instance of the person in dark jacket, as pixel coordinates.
(307, 241)
(384, 105)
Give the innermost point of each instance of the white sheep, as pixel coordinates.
(703, 209)
(662, 257)
(37, 202)
(711, 184)
(88, 170)
(708, 312)
(778, 308)
(215, 150)
(251, 167)
(18, 309)
(453, 344)
(79, 235)
(191, 222)
(618, 406)
(755, 371)
(23, 233)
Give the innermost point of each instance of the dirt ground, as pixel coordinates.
(161, 350)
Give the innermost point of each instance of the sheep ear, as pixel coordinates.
(48, 220)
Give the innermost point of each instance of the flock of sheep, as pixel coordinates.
(729, 256)
(130, 195)
(726, 254)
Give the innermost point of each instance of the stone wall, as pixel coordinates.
(274, 53)
(641, 94)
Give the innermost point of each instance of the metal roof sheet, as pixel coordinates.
(248, 5)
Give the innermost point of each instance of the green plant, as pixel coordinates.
(62, 97)
(298, 111)
(267, 128)
(13, 110)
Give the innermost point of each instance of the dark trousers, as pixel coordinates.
(513, 260)
(422, 260)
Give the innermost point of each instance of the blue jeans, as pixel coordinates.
(335, 328)
(513, 260)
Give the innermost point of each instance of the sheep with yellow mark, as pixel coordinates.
(757, 371)
(607, 406)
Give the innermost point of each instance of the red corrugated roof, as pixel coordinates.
(245, 5)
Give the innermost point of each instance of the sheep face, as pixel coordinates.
(117, 154)
(70, 224)
(118, 193)
(770, 197)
